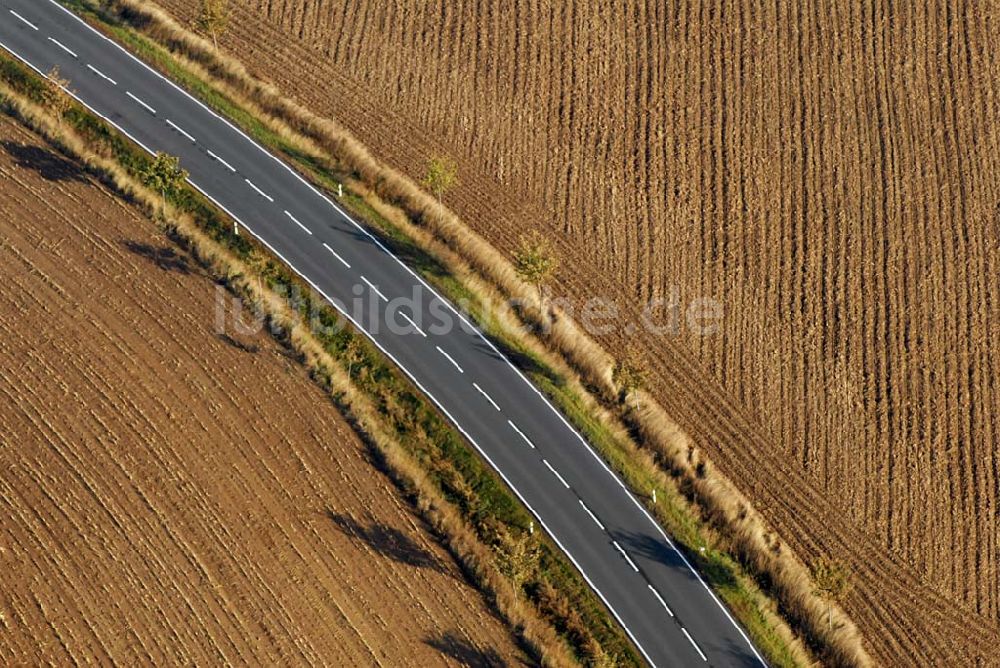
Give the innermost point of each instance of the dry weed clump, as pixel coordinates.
(747, 537)
(475, 558)
(470, 257)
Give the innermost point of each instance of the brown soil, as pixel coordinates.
(172, 496)
(827, 171)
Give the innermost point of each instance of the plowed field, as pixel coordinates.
(170, 496)
(826, 170)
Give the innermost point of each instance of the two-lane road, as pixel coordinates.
(663, 604)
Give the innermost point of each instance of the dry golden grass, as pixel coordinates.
(469, 257)
(160, 506)
(476, 559)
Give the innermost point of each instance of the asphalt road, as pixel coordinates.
(662, 603)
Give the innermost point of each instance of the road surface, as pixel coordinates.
(661, 602)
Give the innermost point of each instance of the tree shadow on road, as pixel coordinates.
(654, 547)
(717, 573)
(387, 541)
(47, 164)
(460, 649)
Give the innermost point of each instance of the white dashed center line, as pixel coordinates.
(146, 106)
(259, 191)
(691, 640)
(337, 255)
(296, 221)
(450, 358)
(62, 46)
(625, 554)
(521, 434)
(101, 74)
(592, 515)
(556, 473)
(178, 128)
(374, 289)
(24, 20)
(413, 324)
(151, 110)
(224, 163)
(488, 397)
(660, 599)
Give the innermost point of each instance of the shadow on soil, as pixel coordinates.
(460, 649)
(50, 166)
(387, 541)
(239, 345)
(164, 257)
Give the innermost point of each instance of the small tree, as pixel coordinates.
(54, 95)
(599, 658)
(536, 262)
(163, 174)
(214, 18)
(518, 558)
(442, 176)
(353, 352)
(629, 375)
(831, 582)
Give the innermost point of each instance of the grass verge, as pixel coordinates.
(762, 582)
(544, 600)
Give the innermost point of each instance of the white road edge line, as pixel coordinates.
(81, 100)
(384, 351)
(447, 304)
(450, 307)
(412, 324)
(625, 554)
(259, 191)
(26, 21)
(592, 515)
(148, 108)
(450, 358)
(660, 599)
(101, 74)
(62, 46)
(642, 509)
(488, 397)
(374, 289)
(693, 643)
(521, 434)
(366, 333)
(296, 221)
(336, 255)
(181, 130)
(224, 163)
(556, 473)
